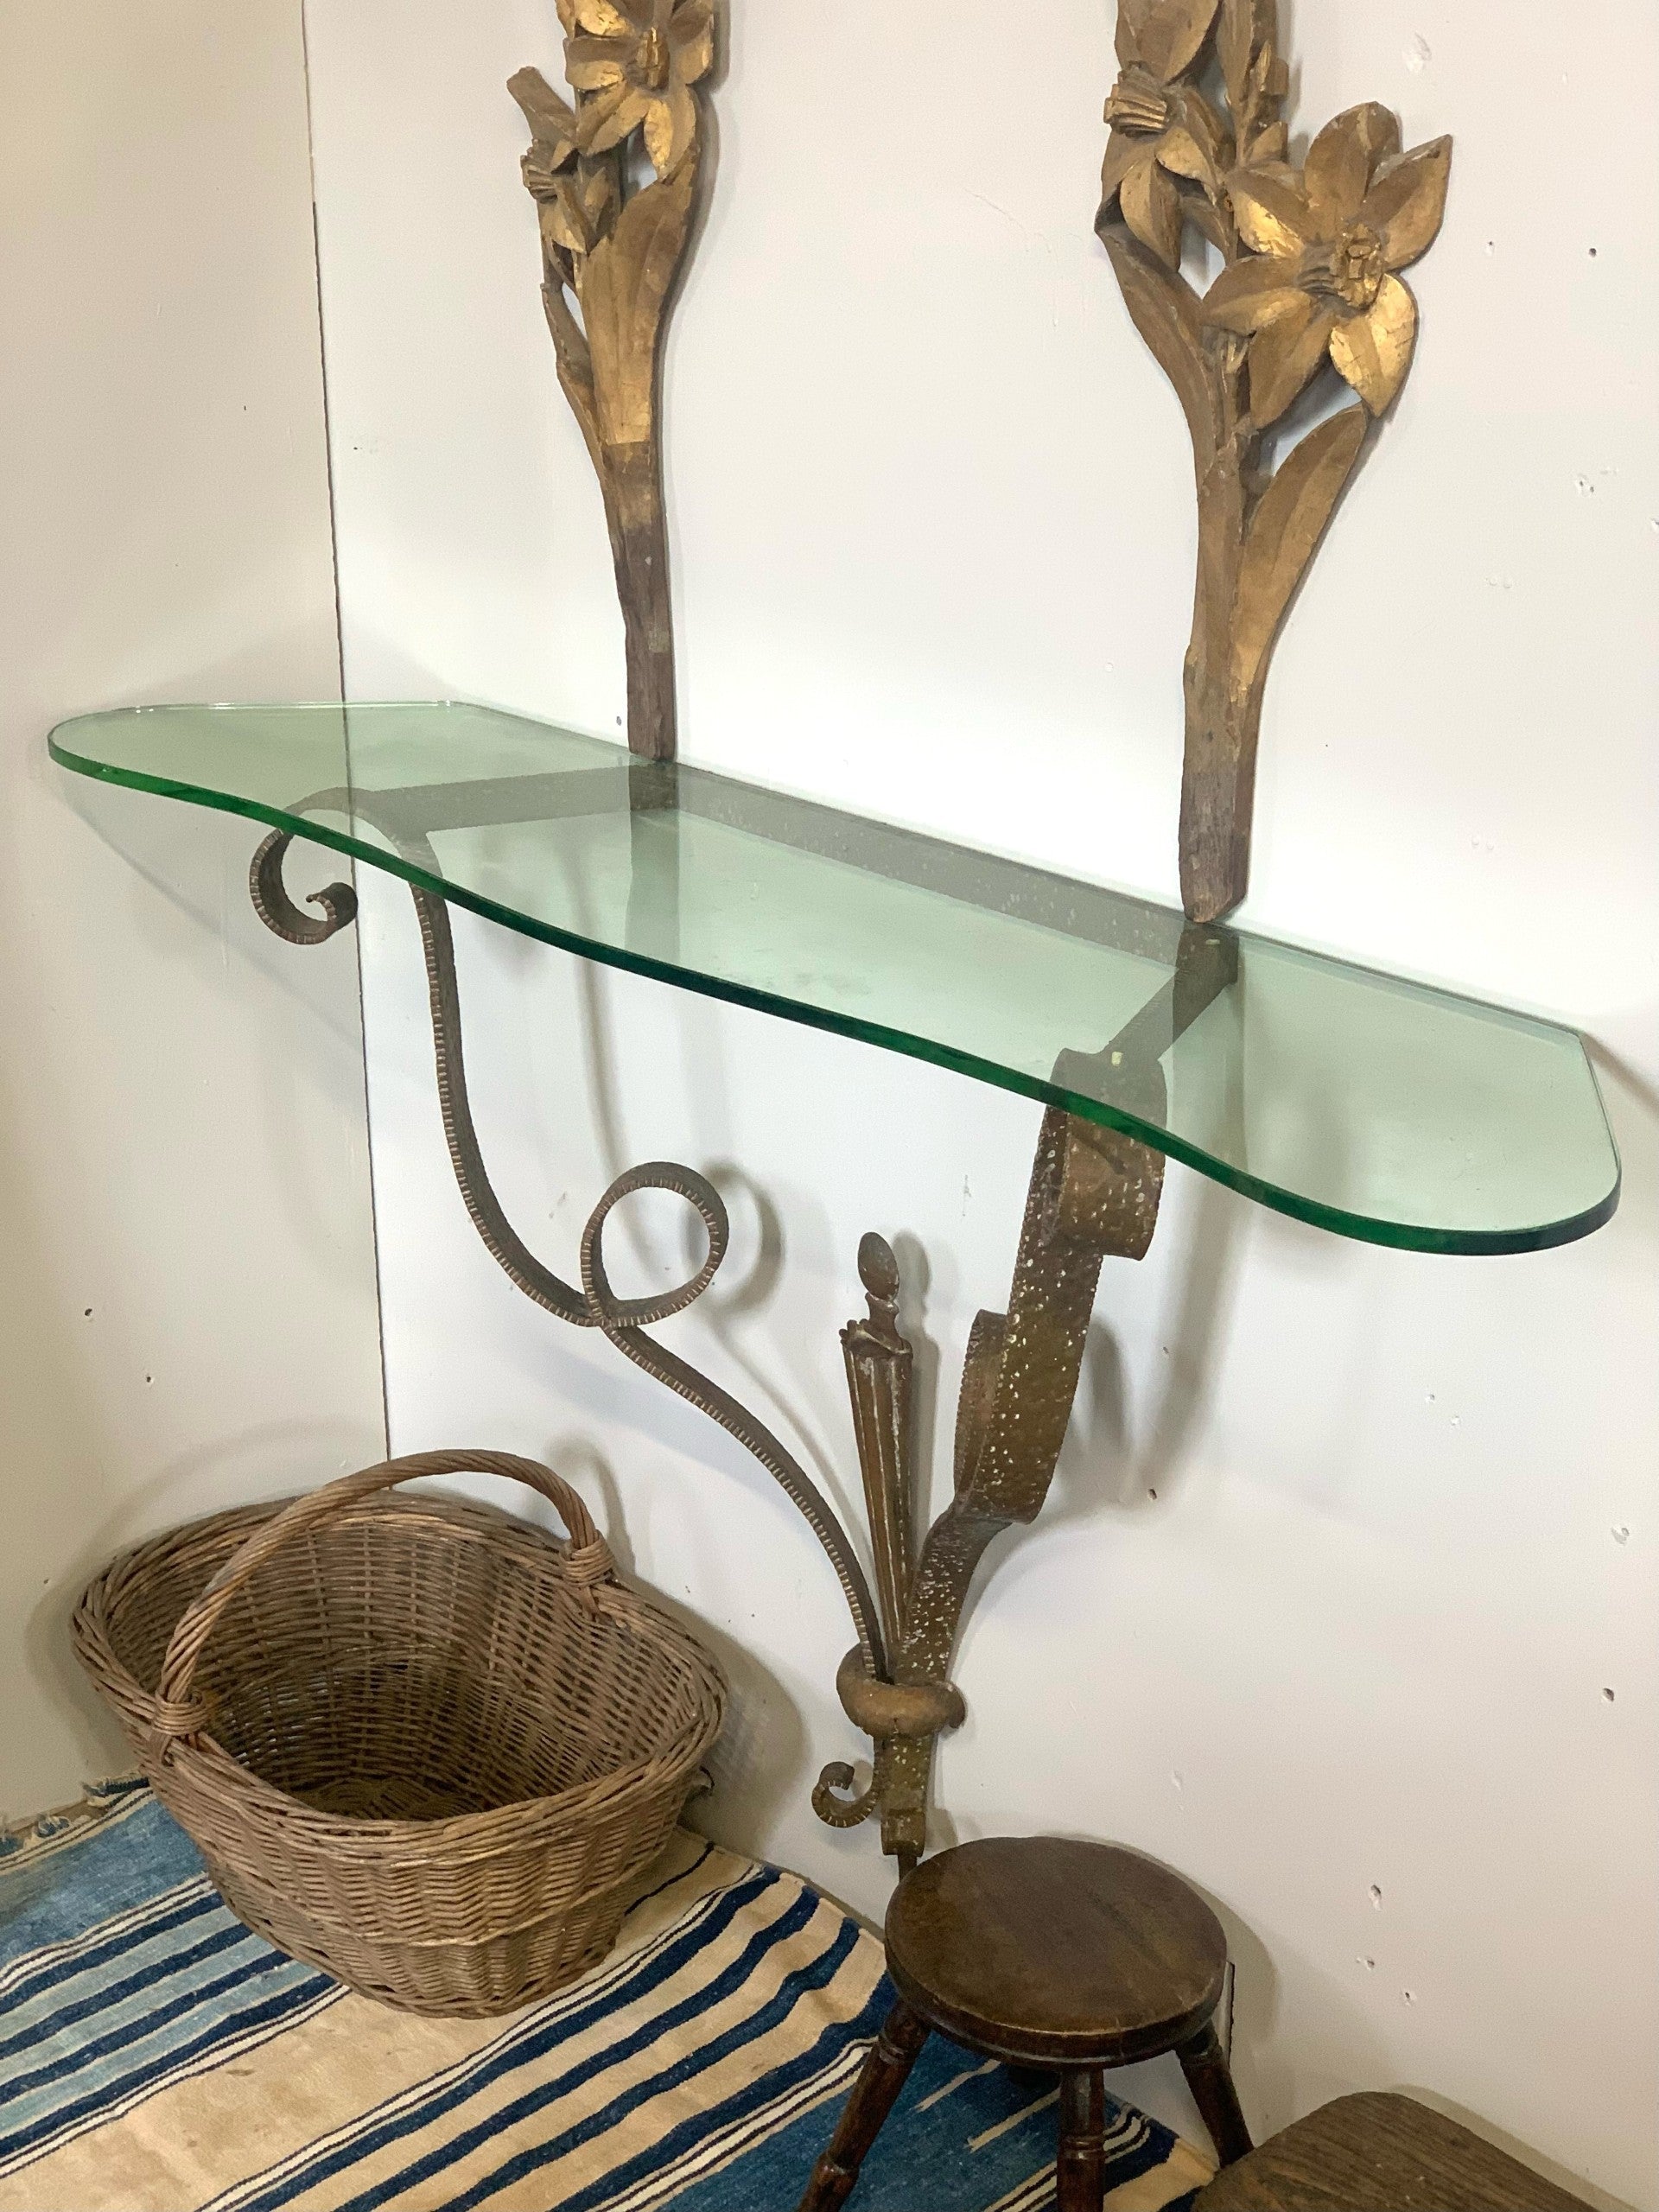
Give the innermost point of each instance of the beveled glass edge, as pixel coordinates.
(1358, 1228)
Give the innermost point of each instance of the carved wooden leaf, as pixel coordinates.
(1255, 290)
(1407, 201)
(599, 17)
(1284, 352)
(625, 290)
(1164, 308)
(1271, 215)
(1173, 33)
(1235, 43)
(549, 117)
(1289, 521)
(1245, 29)
(1373, 351)
(1340, 160)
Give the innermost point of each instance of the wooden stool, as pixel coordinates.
(1071, 1957)
(1381, 2154)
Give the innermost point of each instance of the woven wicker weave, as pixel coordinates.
(420, 1743)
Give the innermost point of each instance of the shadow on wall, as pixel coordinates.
(760, 1762)
(187, 1314)
(161, 843)
(50, 1448)
(237, 1470)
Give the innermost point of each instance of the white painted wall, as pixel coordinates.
(186, 1282)
(1347, 1546)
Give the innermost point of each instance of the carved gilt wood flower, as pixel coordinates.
(638, 59)
(1161, 128)
(577, 195)
(1325, 247)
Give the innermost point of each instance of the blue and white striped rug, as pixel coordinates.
(156, 2056)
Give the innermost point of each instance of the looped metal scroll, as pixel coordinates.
(613, 1316)
(835, 1810)
(278, 912)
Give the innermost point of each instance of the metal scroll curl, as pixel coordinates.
(278, 912)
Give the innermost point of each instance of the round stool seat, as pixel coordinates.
(1050, 1953)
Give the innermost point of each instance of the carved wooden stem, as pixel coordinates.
(631, 477)
(1223, 716)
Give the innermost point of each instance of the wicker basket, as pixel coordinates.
(420, 1743)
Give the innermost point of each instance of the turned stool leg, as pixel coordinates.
(1081, 2168)
(885, 2073)
(1211, 2080)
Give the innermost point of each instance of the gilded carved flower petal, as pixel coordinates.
(1122, 153)
(599, 17)
(691, 37)
(1152, 208)
(1203, 120)
(1237, 35)
(1208, 134)
(545, 111)
(1273, 215)
(607, 120)
(1212, 221)
(671, 128)
(1373, 351)
(594, 200)
(1284, 355)
(1407, 201)
(1253, 292)
(1171, 34)
(1342, 159)
(1181, 154)
(552, 121)
(593, 63)
(562, 226)
(1270, 74)
(1131, 15)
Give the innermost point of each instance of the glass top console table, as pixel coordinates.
(1375, 1107)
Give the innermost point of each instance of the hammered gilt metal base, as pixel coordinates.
(1094, 1193)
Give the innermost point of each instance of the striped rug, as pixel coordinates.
(156, 2056)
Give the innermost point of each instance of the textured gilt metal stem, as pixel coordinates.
(880, 1381)
(1093, 1191)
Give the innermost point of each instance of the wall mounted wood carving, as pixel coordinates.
(615, 174)
(1310, 281)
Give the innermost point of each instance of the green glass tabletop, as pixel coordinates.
(1379, 1109)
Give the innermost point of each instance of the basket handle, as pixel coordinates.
(177, 1714)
